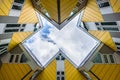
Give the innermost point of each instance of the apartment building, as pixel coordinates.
(59, 40)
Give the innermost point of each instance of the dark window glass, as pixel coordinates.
(62, 73)
(58, 73)
(11, 58)
(11, 30)
(105, 4)
(17, 57)
(22, 30)
(118, 47)
(58, 58)
(3, 53)
(98, 28)
(3, 45)
(97, 59)
(13, 25)
(23, 25)
(62, 58)
(117, 43)
(4, 49)
(19, 1)
(16, 7)
(58, 78)
(60, 54)
(111, 28)
(23, 59)
(105, 58)
(96, 23)
(1, 48)
(108, 23)
(111, 58)
(118, 51)
(62, 78)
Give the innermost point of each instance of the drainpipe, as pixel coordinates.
(36, 73)
(85, 74)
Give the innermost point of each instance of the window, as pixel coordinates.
(117, 43)
(108, 23)
(105, 4)
(105, 58)
(22, 30)
(11, 58)
(16, 7)
(58, 78)
(96, 23)
(97, 59)
(1, 48)
(23, 25)
(17, 57)
(62, 78)
(13, 25)
(118, 51)
(3, 45)
(99, 28)
(111, 28)
(23, 59)
(11, 30)
(60, 75)
(3, 51)
(19, 1)
(118, 47)
(60, 57)
(111, 58)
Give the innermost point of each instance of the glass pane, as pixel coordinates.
(111, 58)
(108, 23)
(97, 59)
(105, 58)
(111, 28)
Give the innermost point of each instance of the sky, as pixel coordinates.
(73, 41)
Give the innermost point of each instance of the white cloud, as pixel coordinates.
(74, 42)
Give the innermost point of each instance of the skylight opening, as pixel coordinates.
(76, 44)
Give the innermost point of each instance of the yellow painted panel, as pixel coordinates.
(49, 73)
(28, 14)
(51, 7)
(108, 71)
(66, 6)
(17, 38)
(29, 75)
(92, 76)
(5, 6)
(92, 12)
(103, 71)
(71, 73)
(115, 4)
(115, 73)
(12, 71)
(105, 37)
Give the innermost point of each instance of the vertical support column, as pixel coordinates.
(60, 67)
